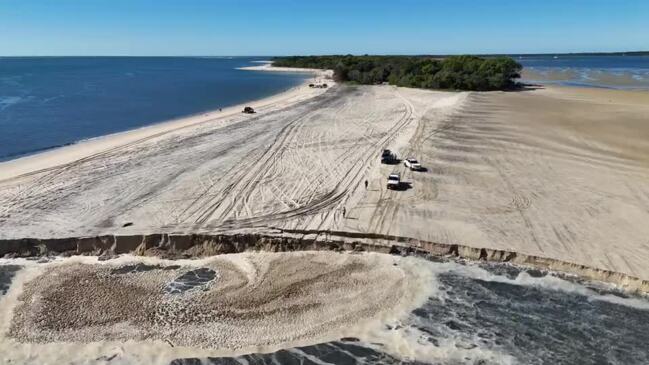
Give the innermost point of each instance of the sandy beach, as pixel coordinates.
(83, 149)
(555, 172)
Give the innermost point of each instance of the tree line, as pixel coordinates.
(454, 72)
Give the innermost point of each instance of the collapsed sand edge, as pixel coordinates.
(202, 245)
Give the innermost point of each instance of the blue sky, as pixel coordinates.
(255, 27)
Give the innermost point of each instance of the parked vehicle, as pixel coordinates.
(249, 110)
(388, 157)
(394, 181)
(412, 164)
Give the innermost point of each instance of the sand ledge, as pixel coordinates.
(196, 246)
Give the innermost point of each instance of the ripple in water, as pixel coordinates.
(199, 278)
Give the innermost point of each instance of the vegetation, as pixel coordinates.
(455, 72)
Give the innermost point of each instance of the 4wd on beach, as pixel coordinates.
(394, 181)
(412, 164)
(388, 156)
(249, 110)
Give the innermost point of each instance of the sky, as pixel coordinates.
(292, 27)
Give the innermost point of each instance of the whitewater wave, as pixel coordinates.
(546, 281)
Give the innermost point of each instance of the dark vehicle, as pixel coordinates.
(249, 110)
(388, 157)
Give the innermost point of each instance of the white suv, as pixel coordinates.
(412, 164)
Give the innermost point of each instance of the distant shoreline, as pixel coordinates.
(618, 53)
(59, 155)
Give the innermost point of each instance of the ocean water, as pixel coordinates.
(490, 315)
(617, 72)
(46, 102)
(477, 314)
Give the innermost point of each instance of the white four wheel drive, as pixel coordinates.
(412, 164)
(394, 181)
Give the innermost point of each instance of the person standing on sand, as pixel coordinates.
(344, 211)
(366, 184)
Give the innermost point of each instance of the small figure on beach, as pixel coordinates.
(344, 211)
(366, 184)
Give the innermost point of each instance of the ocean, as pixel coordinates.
(47, 102)
(615, 72)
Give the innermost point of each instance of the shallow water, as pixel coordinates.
(618, 72)
(476, 314)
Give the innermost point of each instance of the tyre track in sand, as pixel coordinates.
(238, 192)
(325, 203)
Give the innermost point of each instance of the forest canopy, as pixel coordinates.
(454, 72)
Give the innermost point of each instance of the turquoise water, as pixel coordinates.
(46, 102)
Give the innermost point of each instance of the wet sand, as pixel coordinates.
(621, 79)
(230, 304)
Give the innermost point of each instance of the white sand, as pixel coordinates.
(300, 162)
(559, 173)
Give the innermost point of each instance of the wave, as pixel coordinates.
(7, 101)
(548, 281)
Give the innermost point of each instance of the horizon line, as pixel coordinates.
(352, 54)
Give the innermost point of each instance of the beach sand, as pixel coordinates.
(556, 172)
(76, 310)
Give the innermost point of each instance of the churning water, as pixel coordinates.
(474, 314)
